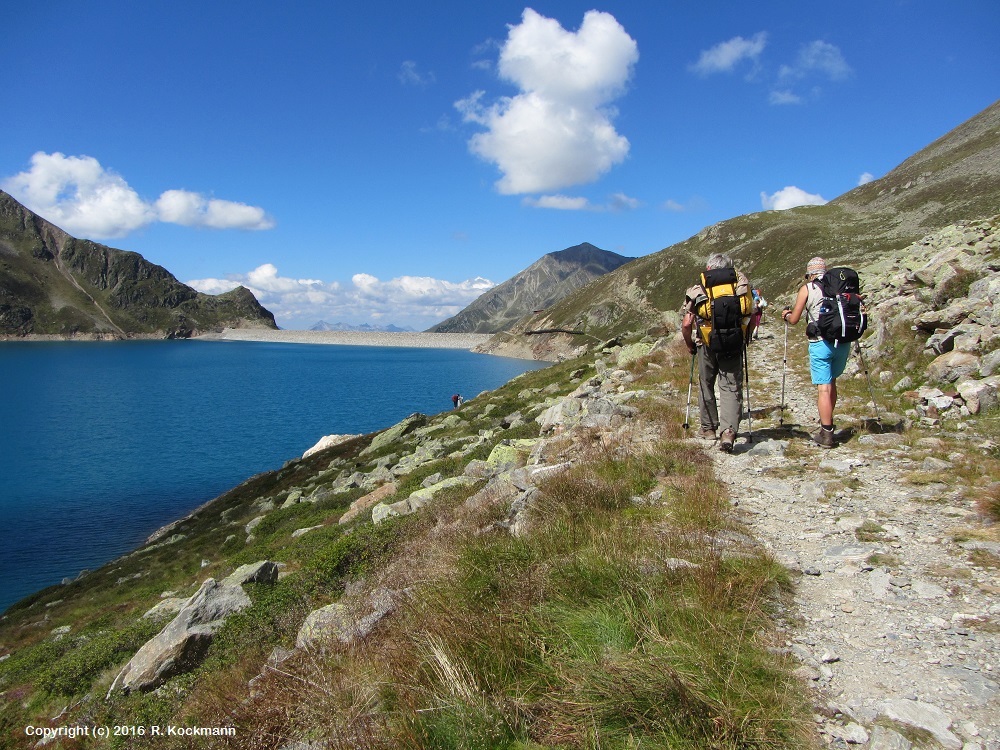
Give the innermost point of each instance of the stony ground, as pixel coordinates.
(894, 624)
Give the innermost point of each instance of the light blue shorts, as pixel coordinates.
(826, 361)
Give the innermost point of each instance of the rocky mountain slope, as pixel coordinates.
(54, 284)
(957, 177)
(537, 287)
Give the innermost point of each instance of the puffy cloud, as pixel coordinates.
(790, 197)
(725, 56)
(193, 210)
(79, 195)
(87, 200)
(417, 301)
(558, 131)
(865, 178)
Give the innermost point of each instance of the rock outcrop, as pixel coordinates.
(183, 643)
(943, 290)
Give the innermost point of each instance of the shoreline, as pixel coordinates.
(407, 339)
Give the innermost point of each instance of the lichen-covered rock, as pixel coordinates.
(633, 352)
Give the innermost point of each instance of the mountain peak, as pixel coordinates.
(54, 284)
(543, 283)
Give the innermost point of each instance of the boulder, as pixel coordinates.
(264, 571)
(328, 441)
(381, 511)
(387, 437)
(169, 607)
(421, 497)
(343, 622)
(922, 716)
(332, 621)
(504, 457)
(633, 352)
(183, 643)
(363, 503)
(990, 363)
(953, 366)
(979, 395)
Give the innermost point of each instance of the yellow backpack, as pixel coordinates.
(724, 315)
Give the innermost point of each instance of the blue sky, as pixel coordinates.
(383, 162)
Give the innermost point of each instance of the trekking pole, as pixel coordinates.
(746, 376)
(871, 391)
(687, 411)
(784, 365)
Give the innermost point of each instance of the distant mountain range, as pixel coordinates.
(54, 284)
(366, 327)
(537, 287)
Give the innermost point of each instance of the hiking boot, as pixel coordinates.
(727, 440)
(707, 434)
(824, 438)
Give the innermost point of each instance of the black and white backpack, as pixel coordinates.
(842, 315)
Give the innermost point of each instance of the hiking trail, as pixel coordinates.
(892, 618)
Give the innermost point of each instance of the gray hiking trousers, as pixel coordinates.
(726, 372)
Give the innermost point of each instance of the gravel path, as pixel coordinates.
(892, 618)
(352, 338)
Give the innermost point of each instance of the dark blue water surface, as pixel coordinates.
(103, 443)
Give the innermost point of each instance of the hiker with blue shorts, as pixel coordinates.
(826, 360)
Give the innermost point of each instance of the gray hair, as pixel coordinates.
(718, 260)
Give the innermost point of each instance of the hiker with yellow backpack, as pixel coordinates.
(717, 323)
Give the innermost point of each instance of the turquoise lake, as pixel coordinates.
(101, 443)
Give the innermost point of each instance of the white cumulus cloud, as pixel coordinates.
(558, 131)
(416, 301)
(865, 178)
(790, 197)
(725, 56)
(194, 210)
(81, 196)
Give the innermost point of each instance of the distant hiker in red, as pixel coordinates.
(455, 400)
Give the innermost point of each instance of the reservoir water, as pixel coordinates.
(101, 443)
